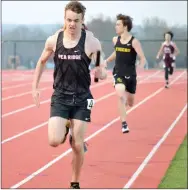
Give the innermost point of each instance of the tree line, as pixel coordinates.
(27, 42)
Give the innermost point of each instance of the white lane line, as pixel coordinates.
(153, 151)
(43, 102)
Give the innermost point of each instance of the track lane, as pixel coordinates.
(14, 105)
(30, 117)
(163, 157)
(28, 163)
(105, 167)
(106, 171)
(49, 153)
(21, 89)
(42, 121)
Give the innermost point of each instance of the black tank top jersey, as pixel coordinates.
(125, 58)
(71, 72)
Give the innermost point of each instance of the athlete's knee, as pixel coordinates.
(130, 103)
(77, 145)
(171, 70)
(122, 98)
(130, 100)
(121, 95)
(79, 128)
(56, 131)
(120, 90)
(166, 73)
(54, 142)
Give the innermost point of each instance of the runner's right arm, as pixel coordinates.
(47, 52)
(160, 51)
(113, 55)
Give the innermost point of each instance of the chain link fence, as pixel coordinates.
(25, 54)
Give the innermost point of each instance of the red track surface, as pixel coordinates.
(112, 157)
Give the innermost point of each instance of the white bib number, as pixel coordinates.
(90, 103)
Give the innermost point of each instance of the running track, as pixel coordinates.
(114, 160)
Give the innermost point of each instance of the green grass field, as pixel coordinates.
(176, 175)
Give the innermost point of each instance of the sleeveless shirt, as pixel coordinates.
(125, 58)
(71, 72)
(168, 50)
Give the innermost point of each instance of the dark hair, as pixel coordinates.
(126, 20)
(170, 33)
(84, 26)
(76, 7)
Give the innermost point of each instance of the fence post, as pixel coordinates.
(15, 55)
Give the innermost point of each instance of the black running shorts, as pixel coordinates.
(130, 82)
(72, 111)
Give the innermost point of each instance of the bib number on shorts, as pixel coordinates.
(90, 103)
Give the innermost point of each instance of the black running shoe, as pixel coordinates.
(125, 128)
(167, 85)
(74, 185)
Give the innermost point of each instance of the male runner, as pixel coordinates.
(73, 50)
(126, 49)
(170, 51)
(68, 124)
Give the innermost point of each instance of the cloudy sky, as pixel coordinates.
(42, 12)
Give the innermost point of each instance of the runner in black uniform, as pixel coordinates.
(170, 51)
(125, 68)
(71, 81)
(68, 125)
(73, 49)
(126, 49)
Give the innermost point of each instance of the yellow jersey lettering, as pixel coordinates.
(119, 49)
